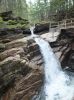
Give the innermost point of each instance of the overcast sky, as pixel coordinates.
(31, 1)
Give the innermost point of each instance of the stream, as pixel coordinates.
(57, 84)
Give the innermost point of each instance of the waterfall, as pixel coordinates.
(58, 85)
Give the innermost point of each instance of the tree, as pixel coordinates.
(19, 7)
(41, 10)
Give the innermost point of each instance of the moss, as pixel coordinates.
(10, 26)
(25, 26)
(1, 20)
(43, 22)
(12, 22)
(16, 23)
(3, 24)
(23, 22)
(2, 47)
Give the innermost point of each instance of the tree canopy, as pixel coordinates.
(41, 10)
(52, 9)
(19, 7)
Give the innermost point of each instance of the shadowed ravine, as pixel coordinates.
(57, 84)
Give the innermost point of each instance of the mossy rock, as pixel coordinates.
(2, 47)
(11, 26)
(1, 20)
(23, 22)
(24, 26)
(14, 26)
(12, 22)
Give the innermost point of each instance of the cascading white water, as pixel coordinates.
(58, 85)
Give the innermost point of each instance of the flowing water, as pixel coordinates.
(57, 85)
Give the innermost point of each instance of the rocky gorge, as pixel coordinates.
(21, 63)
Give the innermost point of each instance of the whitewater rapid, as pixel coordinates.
(58, 85)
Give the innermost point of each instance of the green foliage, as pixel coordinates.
(11, 22)
(19, 7)
(41, 10)
(18, 25)
(44, 10)
(17, 22)
(1, 20)
(23, 21)
(14, 24)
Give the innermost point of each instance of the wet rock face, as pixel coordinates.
(21, 64)
(41, 27)
(28, 86)
(25, 88)
(68, 60)
(63, 47)
(6, 31)
(10, 68)
(20, 68)
(6, 15)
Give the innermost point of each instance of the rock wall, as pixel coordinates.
(21, 64)
(20, 77)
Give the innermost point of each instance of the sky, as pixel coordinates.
(31, 1)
